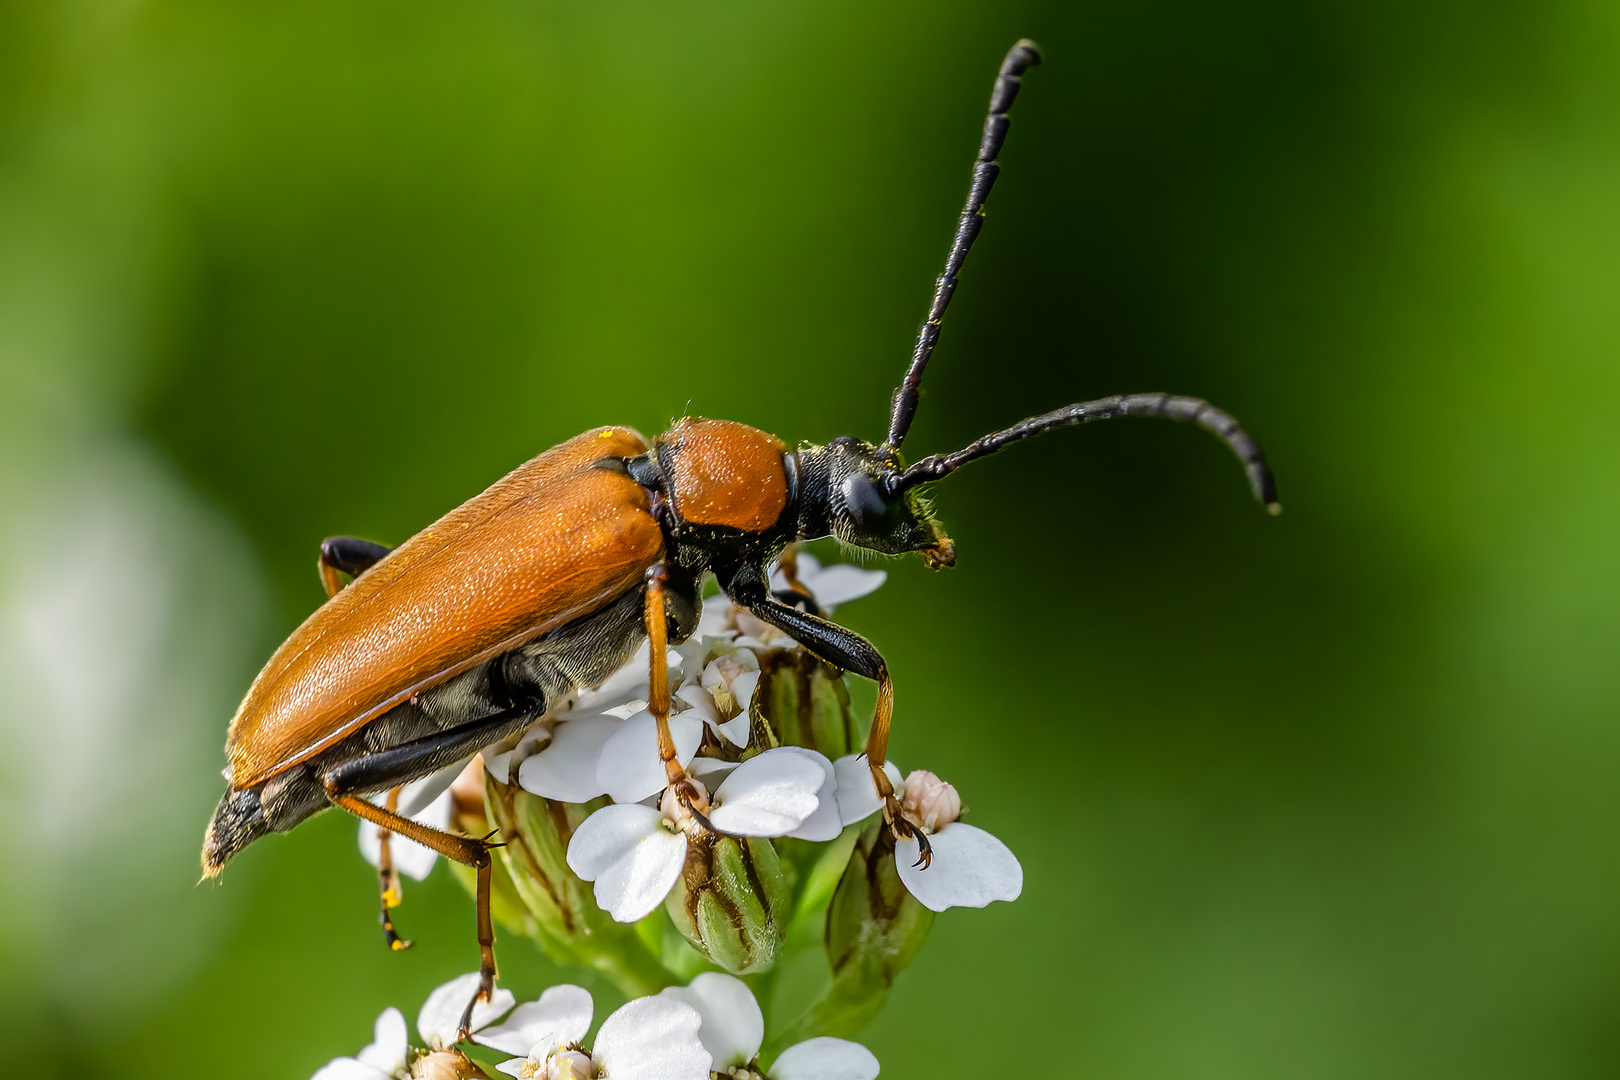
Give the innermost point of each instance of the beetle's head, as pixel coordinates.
(856, 487)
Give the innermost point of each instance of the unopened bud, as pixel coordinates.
(874, 930)
(446, 1065)
(535, 893)
(928, 801)
(805, 703)
(732, 901)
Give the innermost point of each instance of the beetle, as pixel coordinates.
(546, 583)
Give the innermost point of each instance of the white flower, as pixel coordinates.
(967, 866)
(634, 853)
(538, 1029)
(565, 768)
(382, 1059)
(733, 1028)
(557, 759)
(646, 1039)
(440, 1019)
(408, 856)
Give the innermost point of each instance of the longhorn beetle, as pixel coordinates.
(547, 582)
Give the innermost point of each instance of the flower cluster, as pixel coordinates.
(764, 839)
(711, 1026)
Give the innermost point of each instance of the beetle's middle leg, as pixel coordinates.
(388, 876)
(347, 783)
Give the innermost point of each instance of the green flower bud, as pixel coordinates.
(732, 901)
(804, 701)
(559, 911)
(874, 929)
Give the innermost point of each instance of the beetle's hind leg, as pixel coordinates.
(388, 877)
(389, 768)
(348, 554)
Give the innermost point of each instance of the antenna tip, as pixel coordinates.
(1273, 508)
(1032, 50)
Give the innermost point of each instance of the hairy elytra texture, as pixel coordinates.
(724, 473)
(551, 541)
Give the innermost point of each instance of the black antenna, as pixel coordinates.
(1020, 58)
(1189, 409)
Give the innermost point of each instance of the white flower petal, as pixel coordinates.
(824, 824)
(629, 769)
(627, 682)
(825, 1058)
(420, 793)
(536, 1028)
(710, 770)
(652, 1038)
(566, 769)
(347, 1068)
(440, 1018)
(733, 1027)
(736, 729)
(970, 868)
(809, 566)
(498, 763)
(609, 835)
(770, 795)
(857, 794)
(513, 1066)
(389, 1041)
(702, 702)
(631, 856)
(842, 583)
(410, 858)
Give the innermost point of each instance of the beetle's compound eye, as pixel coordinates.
(868, 510)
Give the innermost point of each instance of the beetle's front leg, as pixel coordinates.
(843, 648)
(348, 554)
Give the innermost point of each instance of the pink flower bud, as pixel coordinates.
(928, 801)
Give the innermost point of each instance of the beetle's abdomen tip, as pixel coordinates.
(238, 821)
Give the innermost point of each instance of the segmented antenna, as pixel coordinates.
(1020, 58)
(1187, 409)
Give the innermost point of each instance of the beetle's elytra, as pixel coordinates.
(549, 580)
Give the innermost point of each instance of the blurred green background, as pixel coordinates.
(1331, 795)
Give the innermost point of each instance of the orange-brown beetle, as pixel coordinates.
(547, 582)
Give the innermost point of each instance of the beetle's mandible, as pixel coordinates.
(547, 582)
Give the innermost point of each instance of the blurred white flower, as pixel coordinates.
(634, 853)
(649, 1038)
(440, 1019)
(733, 1029)
(831, 585)
(382, 1059)
(967, 867)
